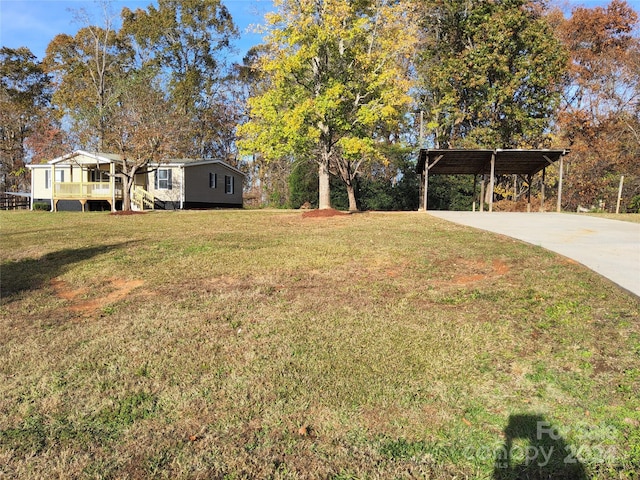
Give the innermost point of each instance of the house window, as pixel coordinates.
(163, 179)
(99, 176)
(47, 177)
(228, 184)
(213, 180)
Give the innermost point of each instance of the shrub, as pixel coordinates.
(634, 205)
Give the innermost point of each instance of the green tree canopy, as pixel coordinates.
(490, 73)
(335, 80)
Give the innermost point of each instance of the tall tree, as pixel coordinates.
(85, 69)
(264, 181)
(188, 41)
(48, 139)
(490, 73)
(24, 97)
(601, 112)
(335, 80)
(144, 129)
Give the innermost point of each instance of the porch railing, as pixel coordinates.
(89, 190)
(141, 198)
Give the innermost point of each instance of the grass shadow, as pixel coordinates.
(31, 274)
(534, 450)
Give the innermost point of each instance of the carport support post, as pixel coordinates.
(491, 180)
(529, 193)
(475, 183)
(542, 190)
(426, 183)
(482, 194)
(558, 206)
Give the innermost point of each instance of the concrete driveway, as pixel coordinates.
(608, 247)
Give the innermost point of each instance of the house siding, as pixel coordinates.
(169, 197)
(38, 186)
(200, 194)
(197, 192)
(40, 190)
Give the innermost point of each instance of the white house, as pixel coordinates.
(82, 180)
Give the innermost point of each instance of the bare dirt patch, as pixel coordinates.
(324, 213)
(118, 289)
(474, 271)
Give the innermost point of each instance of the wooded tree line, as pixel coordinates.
(329, 109)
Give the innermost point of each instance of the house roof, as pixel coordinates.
(100, 158)
(106, 158)
(97, 157)
(478, 162)
(192, 162)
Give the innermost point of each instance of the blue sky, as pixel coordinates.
(34, 23)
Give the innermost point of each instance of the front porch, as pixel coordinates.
(110, 192)
(85, 191)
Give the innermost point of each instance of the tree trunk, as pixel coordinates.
(324, 194)
(126, 194)
(128, 179)
(353, 206)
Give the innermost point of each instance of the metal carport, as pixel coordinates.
(525, 163)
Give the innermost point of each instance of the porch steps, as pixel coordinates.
(141, 199)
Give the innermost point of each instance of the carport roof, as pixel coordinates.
(478, 162)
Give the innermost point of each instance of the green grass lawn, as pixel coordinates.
(261, 344)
